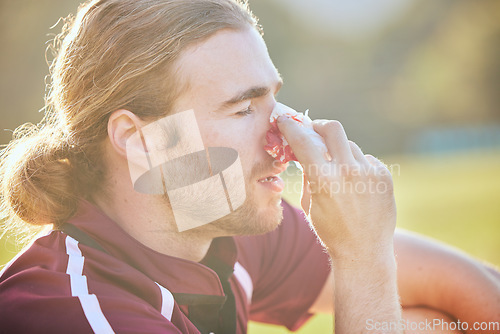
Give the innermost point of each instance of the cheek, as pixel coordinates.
(211, 133)
(254, 138)
(246, 135)
(249, 138)
(211, 138)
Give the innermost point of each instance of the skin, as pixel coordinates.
(470, 291)
(217, 71)
(357, 229)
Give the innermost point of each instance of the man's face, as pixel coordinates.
(232, 86)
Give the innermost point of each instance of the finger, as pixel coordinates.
(381, 167)
(357, 152)
(336, 140)
(299, 140)
(374, 161)
(305, 197)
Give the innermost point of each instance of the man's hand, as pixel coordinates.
(352, 204)
(353, 211)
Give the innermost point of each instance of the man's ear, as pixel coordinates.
(121, 125)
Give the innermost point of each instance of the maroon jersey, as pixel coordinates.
(113, 283)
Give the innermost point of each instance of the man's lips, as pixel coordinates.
(273, 183)
(272, 180)
(269, 178)
(274, 173)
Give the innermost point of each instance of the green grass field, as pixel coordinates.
(453, 198)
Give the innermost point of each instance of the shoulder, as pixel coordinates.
(57, 285)
(35, 285)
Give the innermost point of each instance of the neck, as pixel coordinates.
(153, 225)
(147, 218)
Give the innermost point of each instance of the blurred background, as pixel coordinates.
(415, 82)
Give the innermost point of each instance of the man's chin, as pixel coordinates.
(268, 218)
(252, 219)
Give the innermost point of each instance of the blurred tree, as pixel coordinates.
(438, 62)
(24, 32)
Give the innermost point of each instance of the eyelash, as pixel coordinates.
(245, 112)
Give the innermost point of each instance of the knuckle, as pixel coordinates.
(319, 122)
(333, 125)
(383, 171)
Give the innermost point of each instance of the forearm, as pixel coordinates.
(476, 295)
(366, 297)
(438, 276)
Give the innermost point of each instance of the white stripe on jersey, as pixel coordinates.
(79, 288)
(167, 302)
(244, 279)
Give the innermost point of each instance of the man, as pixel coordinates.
(118, 260)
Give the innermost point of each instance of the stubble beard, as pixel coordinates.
(251, 218)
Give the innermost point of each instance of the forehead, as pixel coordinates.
(229, 61)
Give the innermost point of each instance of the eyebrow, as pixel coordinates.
(251, 93)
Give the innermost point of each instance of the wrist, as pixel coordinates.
(377, 266)
(369, 287)
(379, 254)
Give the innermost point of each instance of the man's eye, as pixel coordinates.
(245, 112)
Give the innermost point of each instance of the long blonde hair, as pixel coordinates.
(114, 54)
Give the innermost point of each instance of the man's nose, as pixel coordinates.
(265, 124)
